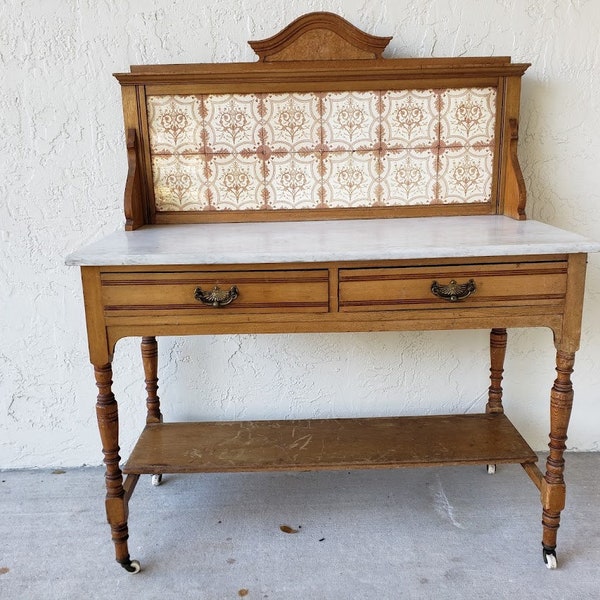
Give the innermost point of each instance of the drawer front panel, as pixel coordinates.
(514, 284)
(255, 291)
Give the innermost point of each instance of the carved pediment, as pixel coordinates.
(320, 36)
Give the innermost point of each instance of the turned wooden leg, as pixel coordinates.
(153, 414)
(497, 354)
(150, 360)
(553, 484)
(116, 503)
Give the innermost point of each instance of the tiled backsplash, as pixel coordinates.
(322, 150)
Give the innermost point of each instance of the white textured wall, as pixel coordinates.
(62, 172)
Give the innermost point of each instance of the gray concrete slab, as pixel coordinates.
(369, 535)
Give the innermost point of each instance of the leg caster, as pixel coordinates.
(491, 469)
(156, 479)
(132, 566)
(549, 556)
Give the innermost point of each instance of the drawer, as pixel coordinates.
(190, 292)
(504, 284)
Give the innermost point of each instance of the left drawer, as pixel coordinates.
(188, 292)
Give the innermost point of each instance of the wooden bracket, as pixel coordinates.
(514, 188)
(134, 214)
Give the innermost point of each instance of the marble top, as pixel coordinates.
(321, 241)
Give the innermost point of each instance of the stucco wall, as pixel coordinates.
(62, 175)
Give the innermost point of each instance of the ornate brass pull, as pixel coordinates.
(216, 297)
(453, 292)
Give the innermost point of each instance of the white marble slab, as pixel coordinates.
(317, 241)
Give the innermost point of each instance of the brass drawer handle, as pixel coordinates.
(453, 291)
(216, 297)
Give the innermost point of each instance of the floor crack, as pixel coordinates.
(443, 506)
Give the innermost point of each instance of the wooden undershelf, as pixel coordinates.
(327, 444)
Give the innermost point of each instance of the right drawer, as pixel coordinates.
(480, 285)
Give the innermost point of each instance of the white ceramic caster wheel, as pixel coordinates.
(156, 480)
(491, 469)
(550, 560)
(133, 567)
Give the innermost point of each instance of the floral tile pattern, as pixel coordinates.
(278, 151)
(465, 175)
(293, 181)
(350, 179)
(350, 121)
(236, 182)
(410, 119)
(291, 122)
(467, 117)
(229, 122)
(179, 181)
(174, 124)
(409, 177)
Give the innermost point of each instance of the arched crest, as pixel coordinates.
(320, 36)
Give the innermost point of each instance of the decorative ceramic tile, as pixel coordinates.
(231, 121)
(351, 120)
(236, 183)
(409, 177)
(410, 118)
(291, 121)
(293, 181)
(179, 183)
(351, 179)
(174, 124)
(468, 117)
(465, 175)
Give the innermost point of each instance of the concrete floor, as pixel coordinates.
(367, 535)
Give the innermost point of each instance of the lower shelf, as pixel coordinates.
(321, 444)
